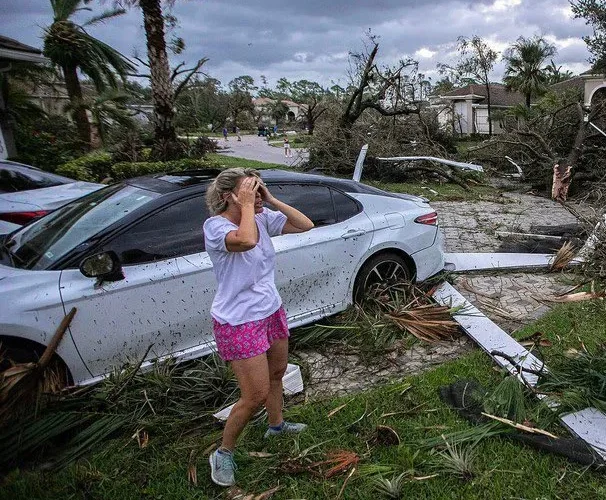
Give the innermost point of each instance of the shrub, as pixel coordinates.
(125, 170)
(201, 147)
(93, 167)
(130, 148)
(48, 144)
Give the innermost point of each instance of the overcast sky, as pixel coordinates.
(311, 39)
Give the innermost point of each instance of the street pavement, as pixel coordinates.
(253, 147)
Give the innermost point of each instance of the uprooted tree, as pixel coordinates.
(558, 131)
(380, 107)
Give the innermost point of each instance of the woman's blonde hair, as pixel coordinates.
(224, 183)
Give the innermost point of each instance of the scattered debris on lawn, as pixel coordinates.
(579, 380)
(520, 362)
(130, 402)
(386, 436)
(192, 470)
(563, 257)
(576, 297)
(23, 383)
(443, 161)
(387, 312)
(335, 462)
(459, 262)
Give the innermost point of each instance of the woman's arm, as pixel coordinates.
(296, 222)
(246, 236)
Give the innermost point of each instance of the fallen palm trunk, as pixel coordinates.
(22, 383)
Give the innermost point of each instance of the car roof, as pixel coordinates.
(174, 181)
(28, 169)
(23, 165)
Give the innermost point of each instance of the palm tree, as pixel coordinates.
(165, 143)
(107, 109)
(70, 47)
(556, 75)
(525, 72)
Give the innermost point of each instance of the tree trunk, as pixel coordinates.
(528, 100)
(165, 137)
(562, 172)
(74, 92)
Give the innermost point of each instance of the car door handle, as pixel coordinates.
(352, 233)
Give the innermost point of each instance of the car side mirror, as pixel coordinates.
(104, 266)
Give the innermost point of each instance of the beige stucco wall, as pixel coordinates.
(592, 84)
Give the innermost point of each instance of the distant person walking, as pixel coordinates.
(225, 133)
(287, 150)
(238, 133)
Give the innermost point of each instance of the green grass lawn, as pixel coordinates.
(230, 162)
(434, 191)
(120, 469)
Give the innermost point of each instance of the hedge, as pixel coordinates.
(126, 170)
(96, 167)
(93, 167)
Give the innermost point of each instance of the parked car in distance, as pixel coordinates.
(27, 192)
(131, 258)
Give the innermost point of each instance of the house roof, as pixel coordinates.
(9, 43)
(499, 94)
(576, 83)
(263, 101)
(13, 50)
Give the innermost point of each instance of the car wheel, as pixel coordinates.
(10, 355)
(16, 354)
(385, 268)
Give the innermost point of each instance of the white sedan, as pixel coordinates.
(27, 193)
(131, 258)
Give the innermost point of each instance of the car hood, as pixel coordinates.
(47, 198)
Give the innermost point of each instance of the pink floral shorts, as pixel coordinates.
(250, 339)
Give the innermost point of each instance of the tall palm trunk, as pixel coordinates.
(74, 91)
(161, 85)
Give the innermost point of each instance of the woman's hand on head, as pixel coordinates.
(266, 196)
(246, 192)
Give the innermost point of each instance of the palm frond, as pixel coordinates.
(563, 257)
(104, 16)
(64, 9)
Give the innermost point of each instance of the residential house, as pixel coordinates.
(465, 110)
(12, 51)
(263, 110)
(589, 83)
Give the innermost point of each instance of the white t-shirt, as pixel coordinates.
(246, 289)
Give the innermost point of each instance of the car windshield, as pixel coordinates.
(42, 243)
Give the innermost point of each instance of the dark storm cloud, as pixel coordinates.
(311, 39)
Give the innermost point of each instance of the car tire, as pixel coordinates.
(382, 268)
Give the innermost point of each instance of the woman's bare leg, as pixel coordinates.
(254, 381)
(277, 359)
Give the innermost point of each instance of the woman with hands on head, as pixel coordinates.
(249, 322)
